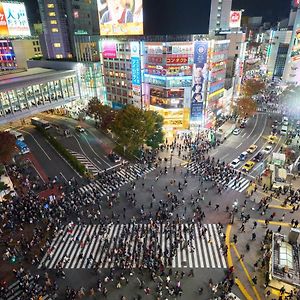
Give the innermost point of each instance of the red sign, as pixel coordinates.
(296, 3)
(155, 59)
(177, 59)
(235, 19)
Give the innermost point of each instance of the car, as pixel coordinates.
(275, 124)
(272, 139)
(243, 125)
(267, 149)
(113, 157)
(235, 163)
(285, 121)
(248, 166)
(79, 128)
(243, 155)
(252, 149)
(236, 131)
(258, 157)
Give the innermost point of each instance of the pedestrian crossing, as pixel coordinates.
(121, 176)
(233, 182)
(16, 291)
(127, 246)
(90, 166)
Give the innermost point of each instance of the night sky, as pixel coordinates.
(189, 16)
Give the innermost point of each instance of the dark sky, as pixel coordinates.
(189, 16)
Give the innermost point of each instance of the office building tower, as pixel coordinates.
(219, 15)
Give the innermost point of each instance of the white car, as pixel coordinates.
(234, 164)
(236, 131)
(267, 149)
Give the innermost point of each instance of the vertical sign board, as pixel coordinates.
(199, 81)
(136, 73)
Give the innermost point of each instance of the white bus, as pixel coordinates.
(40, 123)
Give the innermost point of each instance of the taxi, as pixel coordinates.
(252, 149)
(248, 166)
(272, 139)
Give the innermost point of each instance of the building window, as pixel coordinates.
(56, 45)
(52, 14)
(59, 56)
(50, 5)
(53, 22)
(54, 29)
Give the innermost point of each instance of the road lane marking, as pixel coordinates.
(239, 145)
(275, 223)
(36, 142)
(246, 272)
(63, 176)
(253, 126)
(244, 134)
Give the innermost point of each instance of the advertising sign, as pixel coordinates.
(120, 17)
(177, 59)
(13, 20)
(235, 19)
(109, 49)
(199, 81)
(154, 59)
(135, 49)
(136, 70)
(295, 53)
(295, 3)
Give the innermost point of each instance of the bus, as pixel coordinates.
(40, 123)
(23, 148)
(18, 135)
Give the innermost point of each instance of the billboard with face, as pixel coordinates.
(120, 17)
(13, 20)
(199, 81)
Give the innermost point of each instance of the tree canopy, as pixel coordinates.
(252, 87)
(246, 107)
(7, 146)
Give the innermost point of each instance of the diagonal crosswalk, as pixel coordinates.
(127, 245)
(90, 166)
(16, 291)
(122, 176)
(232, 181)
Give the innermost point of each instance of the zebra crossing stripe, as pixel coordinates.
(86, 245)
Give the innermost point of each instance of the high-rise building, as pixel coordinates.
(62, 20)
(219, 15)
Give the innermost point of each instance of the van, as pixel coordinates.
(283, 130)
(243, 155)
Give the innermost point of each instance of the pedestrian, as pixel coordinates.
(254, 280)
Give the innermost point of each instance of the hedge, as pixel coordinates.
(73, 161)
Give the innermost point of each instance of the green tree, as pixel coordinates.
(245, 107)
(103, 114)
(155, 137)
(134, 127)
(7, 147)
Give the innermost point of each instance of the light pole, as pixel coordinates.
(234, 210)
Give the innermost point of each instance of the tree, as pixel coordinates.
(245, 107)
(101, 113)
(252, 87)
(7, 147)
(134, 127)
(155, 137)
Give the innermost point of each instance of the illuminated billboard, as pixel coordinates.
(13, 20)
(109, 49)
(199, 81)
(295, 53)
(120, 17)
(235, 19)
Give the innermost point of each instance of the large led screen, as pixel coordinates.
(13, 20)
(120, 17)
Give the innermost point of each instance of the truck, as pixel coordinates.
(224, 131)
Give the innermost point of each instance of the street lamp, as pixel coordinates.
(234, 210)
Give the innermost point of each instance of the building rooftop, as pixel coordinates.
(30, 77)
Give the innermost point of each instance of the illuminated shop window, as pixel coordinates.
(53, 22)
(54, 29)
(59, 56)
(52, 14)
(56, 45)
(50, 5)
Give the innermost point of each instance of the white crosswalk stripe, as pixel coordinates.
(233, 182)
(123, 175)
(15, 291)
(88, 245)
(90, 166)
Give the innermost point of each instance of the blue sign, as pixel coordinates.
(136, 70)
(196, 111)
(200, 52)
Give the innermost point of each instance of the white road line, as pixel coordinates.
(244, 134)
(36, 142)
(253, 126)
(238, 145)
